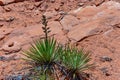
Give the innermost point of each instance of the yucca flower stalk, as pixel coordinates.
(75, 61)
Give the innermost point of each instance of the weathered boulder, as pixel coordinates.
(84, 30)
(95, 20)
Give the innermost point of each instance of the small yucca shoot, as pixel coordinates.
(43, 76)
(76, 61)
(44, 52)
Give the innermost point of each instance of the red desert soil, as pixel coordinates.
(90, 24)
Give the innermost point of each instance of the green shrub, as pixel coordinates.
(75, 61)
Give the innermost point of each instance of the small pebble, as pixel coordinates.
(105, 71)
(7, 9)
(62, 13)
(2, 58)
(52, 1)
(80, 4)
(10, 19)
(105, 58)
(19, 77)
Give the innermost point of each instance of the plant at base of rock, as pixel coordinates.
(42, 76)
(44, 53)
(75, 61)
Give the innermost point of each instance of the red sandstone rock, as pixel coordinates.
(6, 30)
(11, 47)
(4, 2)
(68, 22)
(2, 36)
(50, 15)
(93, 28)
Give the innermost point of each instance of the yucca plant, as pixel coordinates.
(75, 61)
(44, 52)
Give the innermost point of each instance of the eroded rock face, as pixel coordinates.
(100, 20)
(81, 31)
